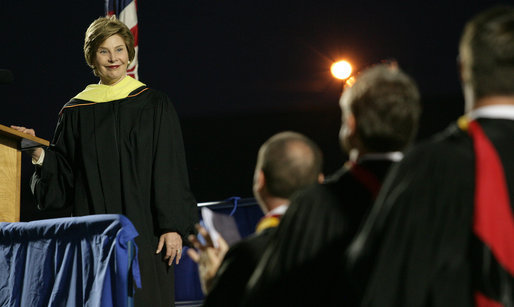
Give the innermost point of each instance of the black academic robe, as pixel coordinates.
(302, 260)
(125, 157)
(417, 247)
(235, 270)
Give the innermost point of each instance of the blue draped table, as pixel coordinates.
(80, 261)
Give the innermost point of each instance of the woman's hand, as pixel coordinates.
(36, 152)
(173, 245)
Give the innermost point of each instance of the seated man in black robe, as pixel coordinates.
(303, 260)
(286, 163)
(442, 230)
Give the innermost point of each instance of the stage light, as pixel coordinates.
(341, 70)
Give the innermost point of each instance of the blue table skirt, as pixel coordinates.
(80, 261)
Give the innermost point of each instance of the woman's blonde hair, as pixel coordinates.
(100, 30)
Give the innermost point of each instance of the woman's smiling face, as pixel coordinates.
(111, 60)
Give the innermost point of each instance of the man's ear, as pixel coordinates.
(260, 180)
(321, 178)
(351, 125)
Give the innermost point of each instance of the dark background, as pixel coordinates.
(237, 71)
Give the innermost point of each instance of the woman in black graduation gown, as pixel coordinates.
(118, 149)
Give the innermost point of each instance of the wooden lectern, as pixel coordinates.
(12, 142)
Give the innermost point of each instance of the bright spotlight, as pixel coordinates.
(341, 70)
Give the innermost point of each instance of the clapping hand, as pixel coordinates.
(207, 256)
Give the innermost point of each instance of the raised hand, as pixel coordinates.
(207, 256)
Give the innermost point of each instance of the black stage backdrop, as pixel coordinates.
(237, 71)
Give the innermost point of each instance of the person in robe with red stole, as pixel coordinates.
(118, 149)
(442, 230)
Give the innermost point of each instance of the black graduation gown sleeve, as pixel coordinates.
(173, 201)
(52, 185)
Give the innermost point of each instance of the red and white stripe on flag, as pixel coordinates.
(126, 11)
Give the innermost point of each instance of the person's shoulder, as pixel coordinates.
(74, 103)
(261, 237)
(315, 190)
(445, 154)
(143, 89)
(150, 91)
(336, 176)
(158, 99)
(250, 246)
(324, 195)
(452, 142)
(346, 182)
(158, 94)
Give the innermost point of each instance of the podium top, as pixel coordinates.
(27, 141)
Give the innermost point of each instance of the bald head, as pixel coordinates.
(289, 161)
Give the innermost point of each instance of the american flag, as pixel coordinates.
(126, 11)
